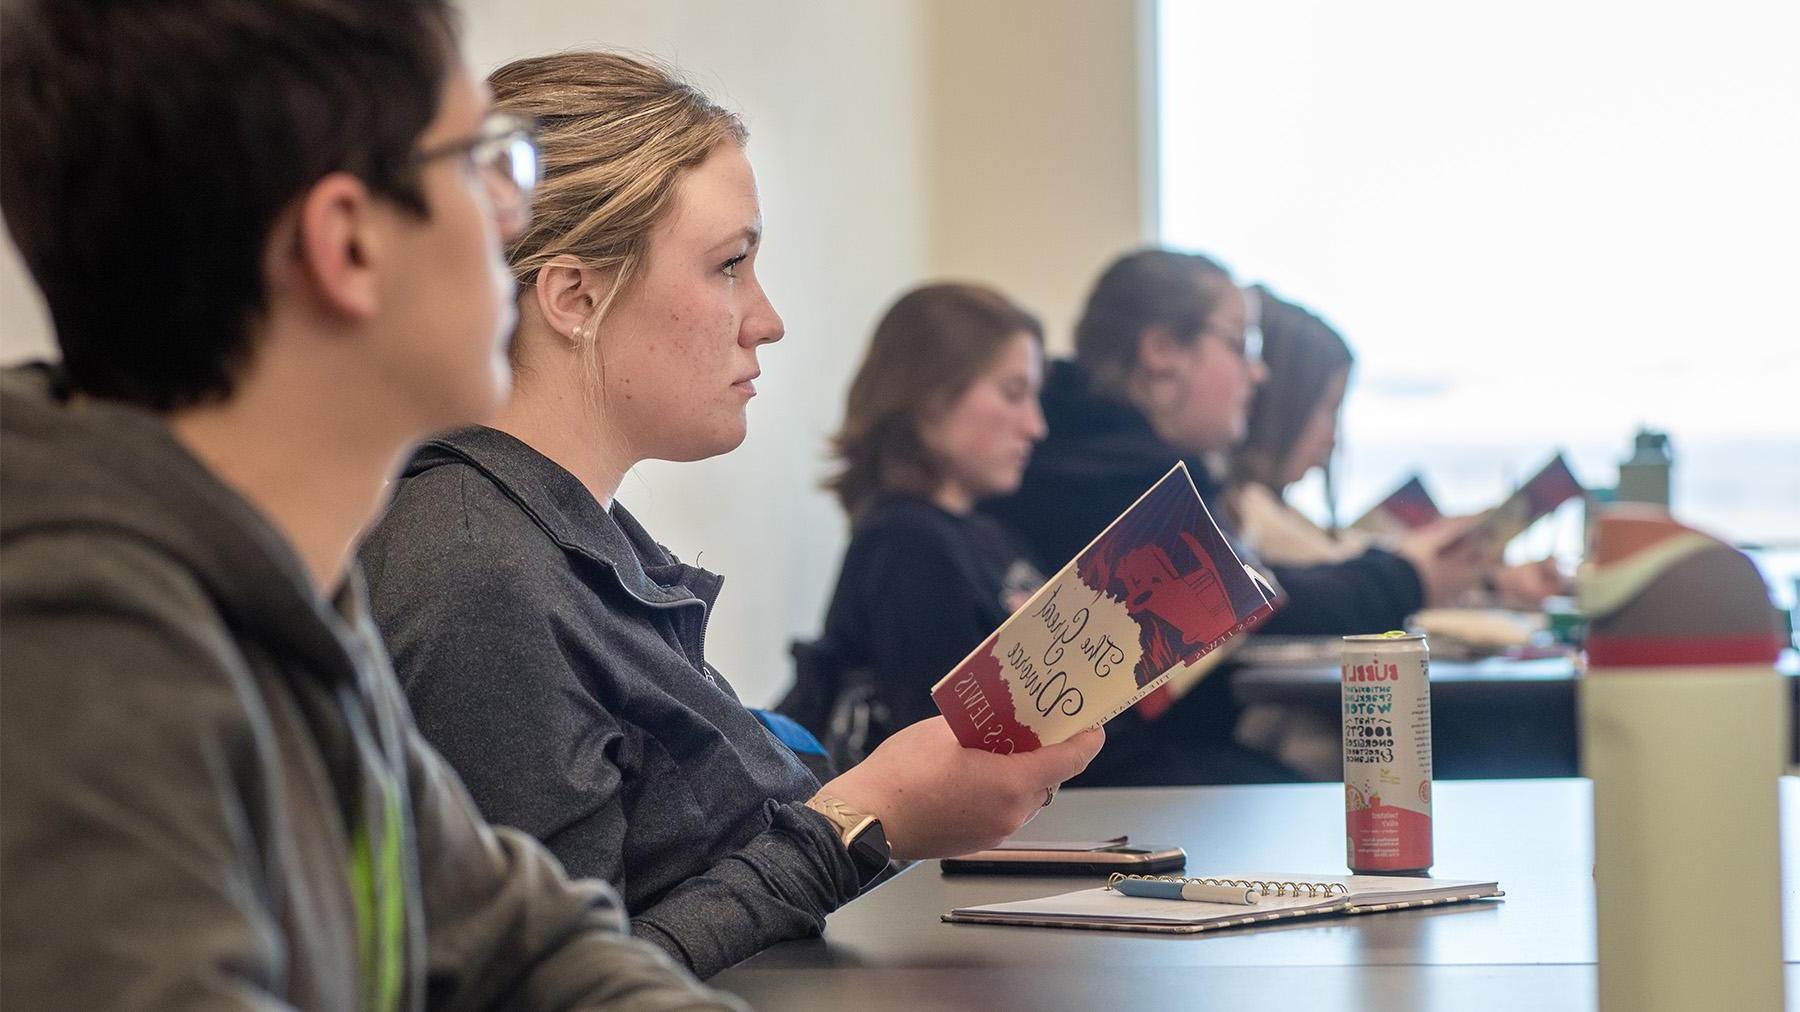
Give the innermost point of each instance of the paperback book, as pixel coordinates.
(1553, 485)
(1407, 508)
(1159, 588)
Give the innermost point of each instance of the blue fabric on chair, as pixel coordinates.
(803, 743)
(790, 732)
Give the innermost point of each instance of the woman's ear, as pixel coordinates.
(1159, 352)
(928, 421)
(567, 295)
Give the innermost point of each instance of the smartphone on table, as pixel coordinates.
(1068, 857)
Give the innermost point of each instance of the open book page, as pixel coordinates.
(1103, 907)
(1159, 587)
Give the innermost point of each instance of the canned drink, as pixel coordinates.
(1386, 698)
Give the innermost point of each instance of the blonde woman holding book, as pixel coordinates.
(551, 648)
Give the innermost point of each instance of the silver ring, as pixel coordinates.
(1049, 795)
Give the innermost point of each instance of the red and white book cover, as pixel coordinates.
(1552, 486)
(1407, 508)
(1160, 587)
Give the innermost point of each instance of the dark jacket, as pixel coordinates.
(196, 749)
(1102, 454)
(919, 589)
(554, 654)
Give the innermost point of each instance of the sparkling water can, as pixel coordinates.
(1386, 697)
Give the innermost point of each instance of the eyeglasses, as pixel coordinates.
(1247, 346)
(505, 153)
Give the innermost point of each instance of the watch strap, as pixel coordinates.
(862, 835)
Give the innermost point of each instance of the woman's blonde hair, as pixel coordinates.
(616, 132)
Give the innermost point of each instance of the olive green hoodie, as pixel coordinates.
(211, 793)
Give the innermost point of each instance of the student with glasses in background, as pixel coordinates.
(1292, 430)
(269, 235)
(1166, 362)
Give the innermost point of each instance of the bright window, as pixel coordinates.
(1538, 224)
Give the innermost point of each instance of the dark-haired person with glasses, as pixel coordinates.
(1167, 357)
(504, 157)
(270, 239)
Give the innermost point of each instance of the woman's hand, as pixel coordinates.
(1447, 562)
(936, 798)
(1527, 584)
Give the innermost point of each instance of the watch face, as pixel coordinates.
(870, 850)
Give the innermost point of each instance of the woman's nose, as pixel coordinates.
(763, 325)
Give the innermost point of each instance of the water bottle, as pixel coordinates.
(1645, 476)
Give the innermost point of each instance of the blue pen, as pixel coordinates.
(1176, 890)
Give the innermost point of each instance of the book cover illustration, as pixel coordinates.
(1158, 588)
(1182, 678)
(1552, 486)
(1407, 508)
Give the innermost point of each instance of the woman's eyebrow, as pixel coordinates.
(749, 235)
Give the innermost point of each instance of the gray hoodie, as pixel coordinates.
(211, 793)
(556, 655)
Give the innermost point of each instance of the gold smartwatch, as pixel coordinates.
(861, 835)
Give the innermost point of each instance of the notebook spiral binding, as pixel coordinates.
(1270, 888)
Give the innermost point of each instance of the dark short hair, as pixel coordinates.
(927, 350)
(1139, 290)
(151, 145)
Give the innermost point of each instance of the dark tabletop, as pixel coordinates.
(1535, 949)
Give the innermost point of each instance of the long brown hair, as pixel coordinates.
(928, 348)
(1302, 354)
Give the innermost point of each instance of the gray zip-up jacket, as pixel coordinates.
(211, 794)
(554, 653)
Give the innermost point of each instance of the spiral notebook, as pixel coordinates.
(1278, 898)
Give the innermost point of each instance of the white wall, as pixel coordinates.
(895, 141)
(1042, 161)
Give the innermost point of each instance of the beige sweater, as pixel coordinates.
(1284, 536)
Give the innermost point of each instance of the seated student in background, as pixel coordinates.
(551, 648)
(1163, 372)
(213, 794)
(1292, 430)
(943, 413)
